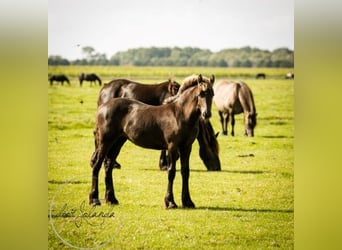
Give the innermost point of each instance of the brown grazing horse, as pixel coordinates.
(234, 98)
(173, 126)
(90, 78)
(155, 94)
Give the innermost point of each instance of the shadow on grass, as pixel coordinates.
(231, 171)
(257, 210)
(67, 182)
(276, 136)
(207, 171)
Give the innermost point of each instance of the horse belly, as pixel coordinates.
(151, 137)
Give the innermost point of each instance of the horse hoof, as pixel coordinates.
(171, 205)
(163, 168)
(112, 202)
(189, 204)
(116, 165)
(95, 202)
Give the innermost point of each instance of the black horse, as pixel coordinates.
(173, 127)
(155, 94)
(261, 76)
(90, 78)
(58, 78)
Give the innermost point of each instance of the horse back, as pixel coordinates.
(152, 94)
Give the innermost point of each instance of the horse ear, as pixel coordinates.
(200, 78)
(212, 79)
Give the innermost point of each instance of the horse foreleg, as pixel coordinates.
(184, 158)
(169, 198)
(223, 123)
(233, 123)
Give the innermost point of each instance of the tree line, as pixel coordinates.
(187, 56)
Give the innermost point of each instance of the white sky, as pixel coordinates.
(110, 26)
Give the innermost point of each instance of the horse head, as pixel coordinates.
(209, 147)
(250, 123)
(173, 87)
(205, 95)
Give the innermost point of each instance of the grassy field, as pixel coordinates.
(109, 72)
(248, 205)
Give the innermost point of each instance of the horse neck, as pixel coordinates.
(187, 105)
(249, 101)
(251, 104)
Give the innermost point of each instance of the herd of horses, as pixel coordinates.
(165, 116)
(92, 78)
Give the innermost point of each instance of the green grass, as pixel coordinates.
(248, 205)
(110, 72)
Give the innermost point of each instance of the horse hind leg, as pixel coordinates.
(96, 162)
(163, 164)
(233, 124)
(110, 163)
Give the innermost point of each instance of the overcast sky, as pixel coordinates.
(110, 26)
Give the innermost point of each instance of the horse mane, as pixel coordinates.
(187, 83)
(208, 136)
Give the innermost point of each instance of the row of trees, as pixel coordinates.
(188, 56)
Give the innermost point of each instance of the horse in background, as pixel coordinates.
(155, 94)
(173, 127)
(90, 78)
(58, 78)
(261, 76)
(233, 98)
(289, 76)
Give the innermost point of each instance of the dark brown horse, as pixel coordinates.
(173, 127)
(58, 78)
(90, 78)
(155, 94)
(234, 98)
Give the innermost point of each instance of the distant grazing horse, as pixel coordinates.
(261, 76)
(90, 78)
(173, 126)
(234, 98)
(58, 78)
(155, 94)
(289, 76)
